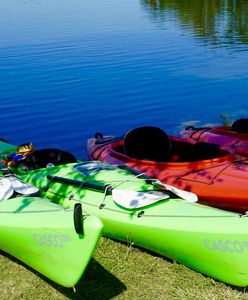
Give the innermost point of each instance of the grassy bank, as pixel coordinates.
(117, 271)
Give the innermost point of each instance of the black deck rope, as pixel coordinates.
(203, 130)
(37, 211)
(143, 213)
(103, 146)
(197, 129)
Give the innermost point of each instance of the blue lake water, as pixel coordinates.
(71, 68)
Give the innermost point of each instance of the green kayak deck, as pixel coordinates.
(211, 241)
(43, 235)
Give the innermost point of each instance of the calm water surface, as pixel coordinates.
(71, 68)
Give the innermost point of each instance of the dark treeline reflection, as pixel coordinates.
(220, 22)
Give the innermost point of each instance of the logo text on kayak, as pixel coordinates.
(51, 240)
(226, 245)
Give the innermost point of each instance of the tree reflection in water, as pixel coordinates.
(223, 22)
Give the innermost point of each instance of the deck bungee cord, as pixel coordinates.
(225, 165)
(80, 185)
(143, 214)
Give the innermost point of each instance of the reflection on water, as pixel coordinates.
(220, 23)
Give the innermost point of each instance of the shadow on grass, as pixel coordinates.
(96, 282)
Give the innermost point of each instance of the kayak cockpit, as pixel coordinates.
(153, 144)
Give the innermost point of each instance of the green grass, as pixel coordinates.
(117, 271)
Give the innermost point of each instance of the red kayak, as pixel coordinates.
(219, 177)
(234, 138)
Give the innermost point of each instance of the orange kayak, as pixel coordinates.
(234, 137)
(219, 177)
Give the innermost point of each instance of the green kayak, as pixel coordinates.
(211, 241)
(135, 210)
(43, 235)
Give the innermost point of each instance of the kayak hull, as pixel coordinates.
(222, 135)
(220, 182)
(42, 235)
(211, 241)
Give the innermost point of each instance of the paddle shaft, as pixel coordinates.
(96, 187)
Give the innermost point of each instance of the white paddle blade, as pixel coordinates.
(185, 195)
(132, 199)
(6, 189)
(21, 187)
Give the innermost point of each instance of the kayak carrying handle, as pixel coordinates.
(107, 189)
(78, 218)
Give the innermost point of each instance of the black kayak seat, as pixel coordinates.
(240, 126)
(41, 158)
(147, 143)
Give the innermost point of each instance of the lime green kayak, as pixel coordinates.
(43, 235)
(6, 147)
(211, 241)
